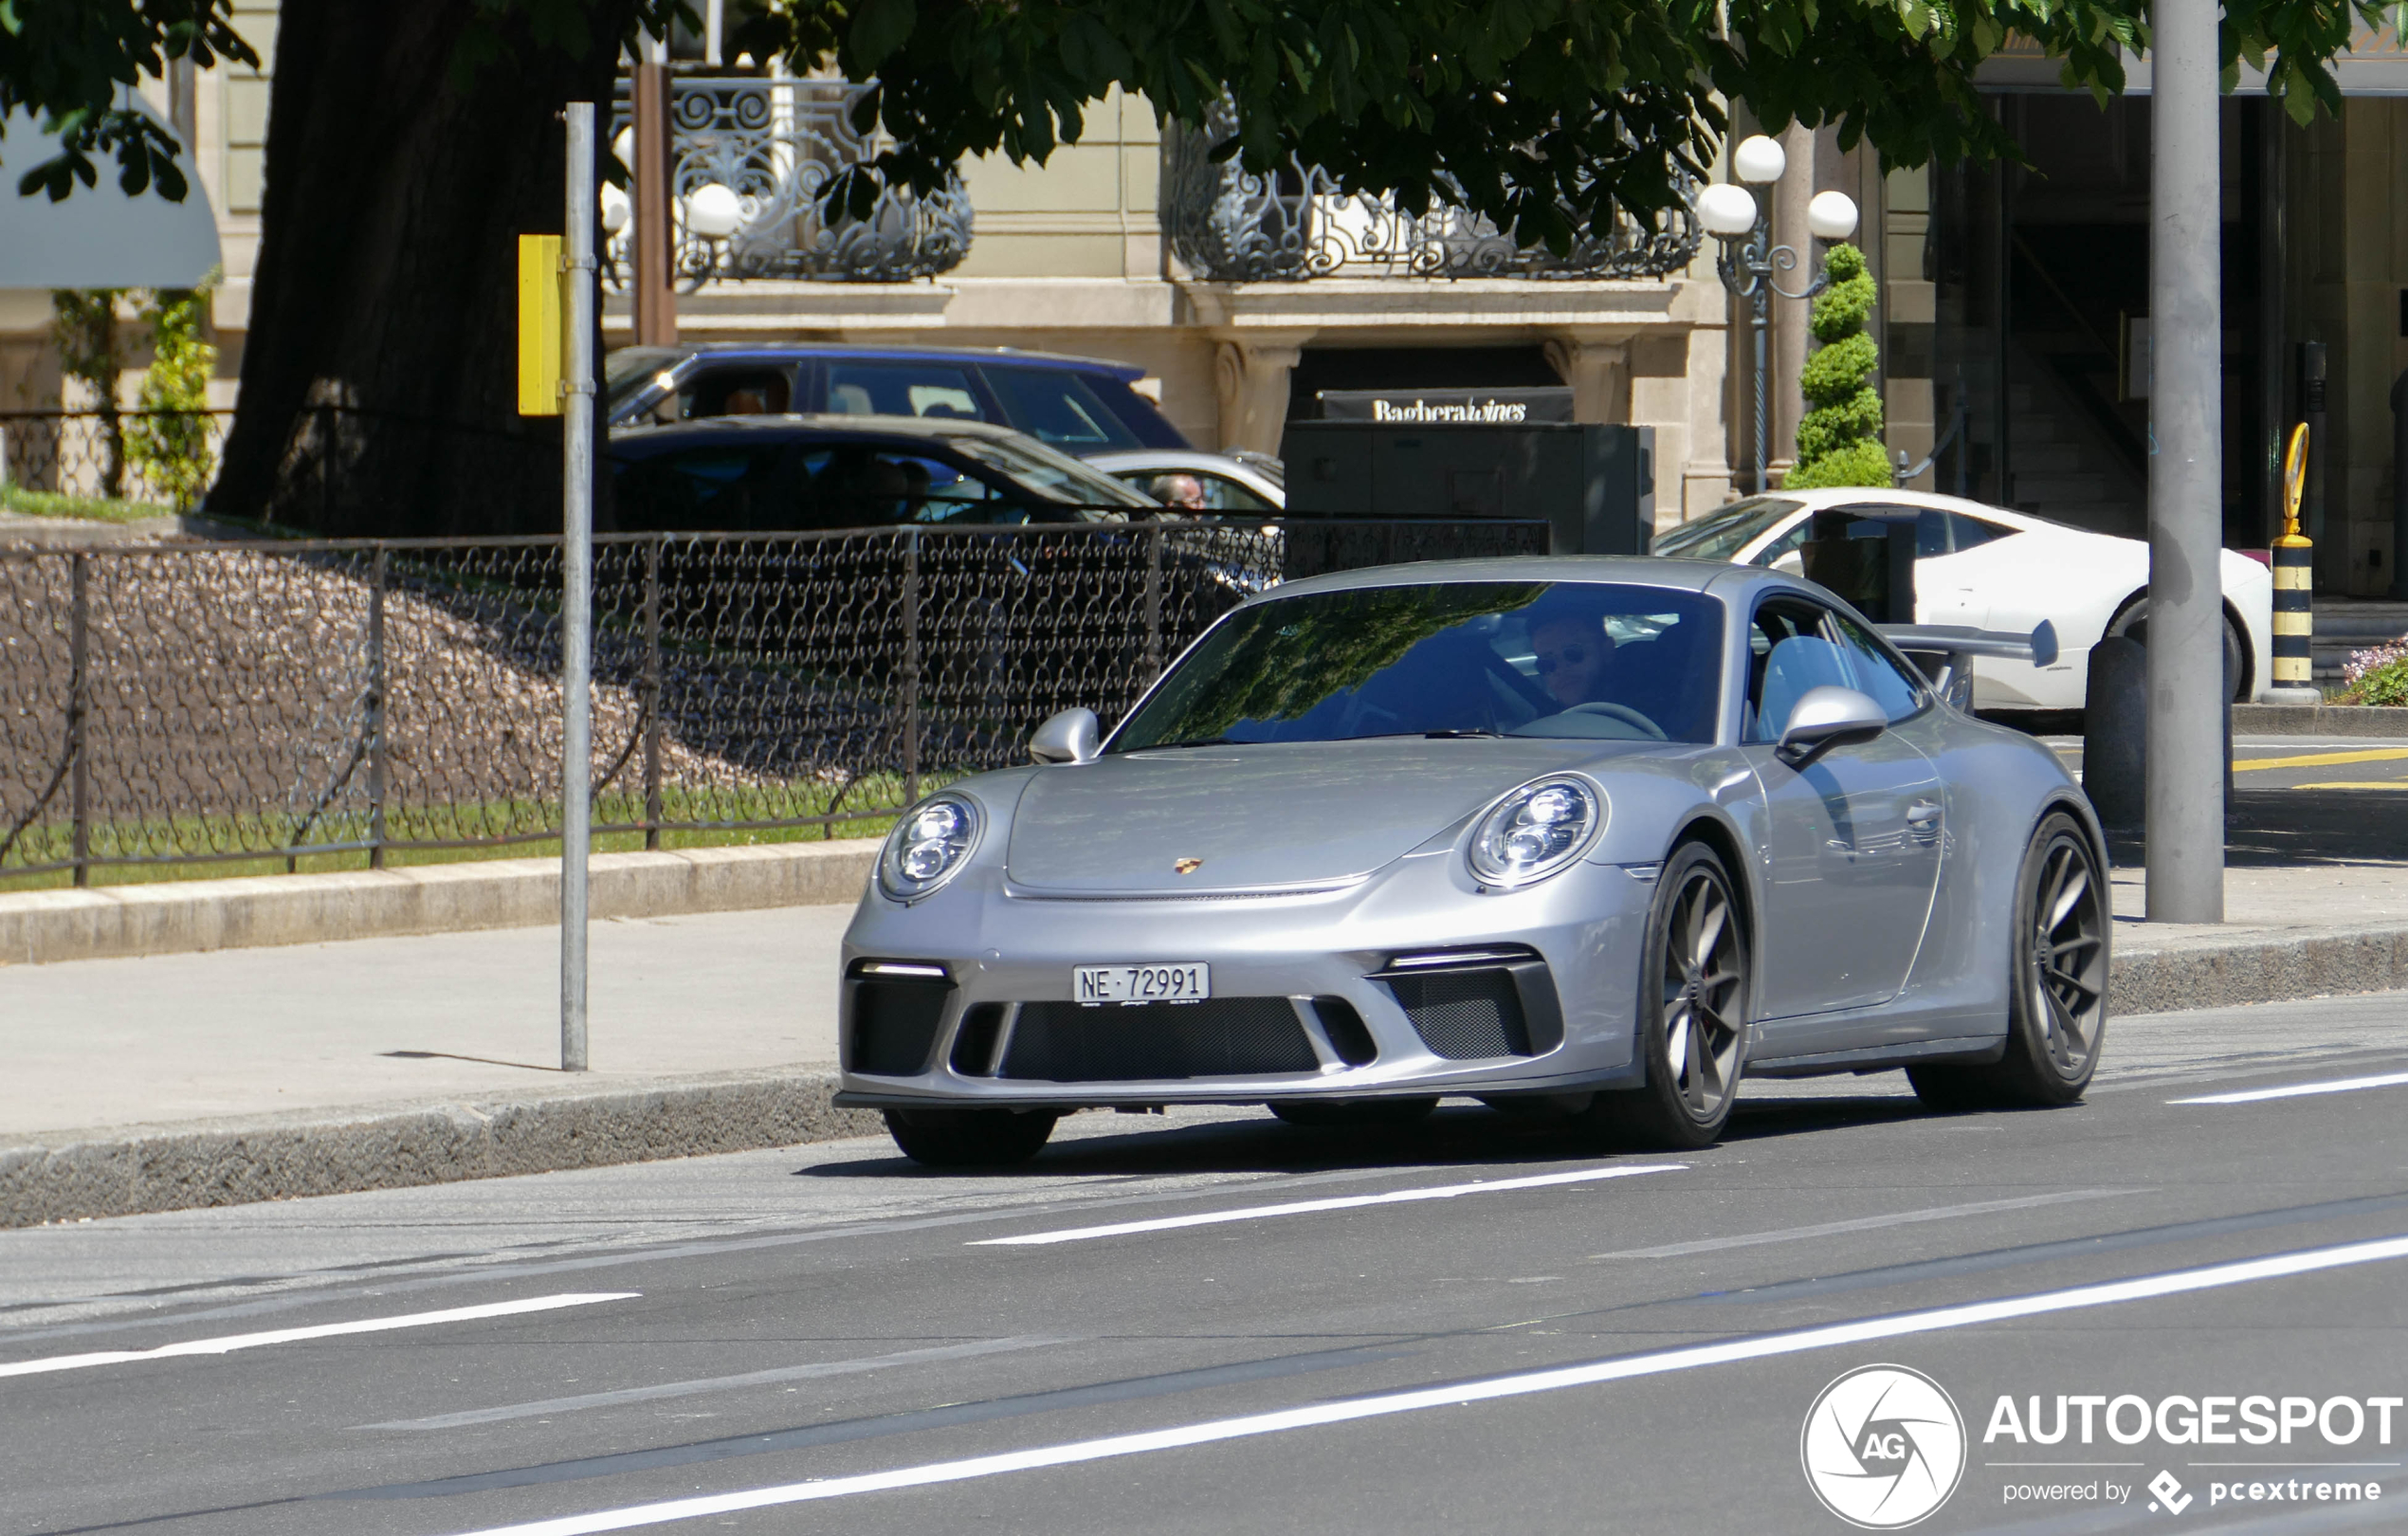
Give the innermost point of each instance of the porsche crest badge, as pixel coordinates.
(1187, 865)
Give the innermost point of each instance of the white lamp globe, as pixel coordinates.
(1758, 160)
(1832, 215)
(1727, 212)
(714, 211)
(614, 210)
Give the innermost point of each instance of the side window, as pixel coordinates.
(735, 392)
(1786, 655)
(1973, 532)
(1781, 553)
(1060, 408)
(730, 487)
(903, 389)
(1871, 671)
(862, 485)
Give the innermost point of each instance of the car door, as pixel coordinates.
(1854, 842)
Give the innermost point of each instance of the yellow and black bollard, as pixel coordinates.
(2295, 572)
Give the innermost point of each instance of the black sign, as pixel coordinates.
(1448, 408)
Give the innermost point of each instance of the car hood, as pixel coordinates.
(1300, 813)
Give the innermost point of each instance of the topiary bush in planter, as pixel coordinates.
(1839, 440)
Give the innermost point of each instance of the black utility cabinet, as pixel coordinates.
(1594, 485)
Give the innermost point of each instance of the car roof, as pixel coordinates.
(1831, 496)
(1634, 570)
(801, 427)
(790, 351)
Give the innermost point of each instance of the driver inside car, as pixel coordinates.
(1573, 656)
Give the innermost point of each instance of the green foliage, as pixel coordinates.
(170, 442)
(2386, 684)
(1549, 115)
(1839, 440)
(34, 503)
(69, 63)
(83, 325)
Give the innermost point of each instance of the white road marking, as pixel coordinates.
(2294, 1090)
(227, 1344)
(1344, 1202)
(1828, 1228)
(716, 1383)
(1456, 1394)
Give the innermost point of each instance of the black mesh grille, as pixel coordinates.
(973, 1043)
(1465, 1015)
(1062, 1042)
(1348, 1034)
(895, 1024)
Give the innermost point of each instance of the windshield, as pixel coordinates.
(626, 372)
(1720, 536)
(1050, 474)
(1580, 660)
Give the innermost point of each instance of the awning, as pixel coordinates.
(99, 238)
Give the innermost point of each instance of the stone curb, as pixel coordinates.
(124, 1171)
(2210, 972)
(2318, 720)
(181, 916)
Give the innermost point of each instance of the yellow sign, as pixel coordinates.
(541, 302)
(2294, 480)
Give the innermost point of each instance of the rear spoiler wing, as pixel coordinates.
(1945, 652)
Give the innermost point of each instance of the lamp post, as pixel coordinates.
(1733, 213)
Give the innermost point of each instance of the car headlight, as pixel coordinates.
(1538, 830)
(932, 841)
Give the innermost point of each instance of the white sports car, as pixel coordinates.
(1994, 568)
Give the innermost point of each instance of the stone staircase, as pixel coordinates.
(2064, 464)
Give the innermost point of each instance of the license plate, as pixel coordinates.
(1140, 983)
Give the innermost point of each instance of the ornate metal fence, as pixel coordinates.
(774, 145)
(196, 703)
(1228, 225)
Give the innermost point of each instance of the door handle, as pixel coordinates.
(1920, 814)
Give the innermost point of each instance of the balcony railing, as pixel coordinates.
(1227, 224)
(776, 144)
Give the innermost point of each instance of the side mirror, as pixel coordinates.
(1826, 717)
(1074, 736)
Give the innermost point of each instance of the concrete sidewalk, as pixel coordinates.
(174, 1081)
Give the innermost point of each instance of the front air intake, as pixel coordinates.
(1062, 1042)
(1475, 1004)
(890, 1026)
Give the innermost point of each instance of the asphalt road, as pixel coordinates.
(1481, 1325)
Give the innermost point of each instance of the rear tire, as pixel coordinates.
(969, 1138)
(1694, 992)
(1359, 1114)
(2131, 622)
(2056, 1007)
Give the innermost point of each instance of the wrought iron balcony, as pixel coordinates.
(774, 144)
(1230, 225)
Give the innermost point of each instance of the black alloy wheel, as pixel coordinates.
(2056, 1006)
(1693, 1002)
(969, 1138)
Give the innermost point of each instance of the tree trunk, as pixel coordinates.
(379, 392)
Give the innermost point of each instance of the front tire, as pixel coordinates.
(968, 1138)
(2056, 1008)
(1693, 1002)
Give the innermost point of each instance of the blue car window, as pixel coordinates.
(1872, 673)
(1058, 406)
(903, 389)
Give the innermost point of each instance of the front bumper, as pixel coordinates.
(1407, 984)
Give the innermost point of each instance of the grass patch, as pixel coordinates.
(34, 503)
(878, 797)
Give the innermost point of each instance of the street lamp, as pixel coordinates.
(1735, 215)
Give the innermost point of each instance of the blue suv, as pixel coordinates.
(1078, 405)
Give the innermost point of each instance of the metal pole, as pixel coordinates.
(2186, 642)
(375, 725)
(79, 712)
(577, 584)
(652, 693)
(1763, 441)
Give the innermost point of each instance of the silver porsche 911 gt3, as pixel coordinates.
(1602, 836)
